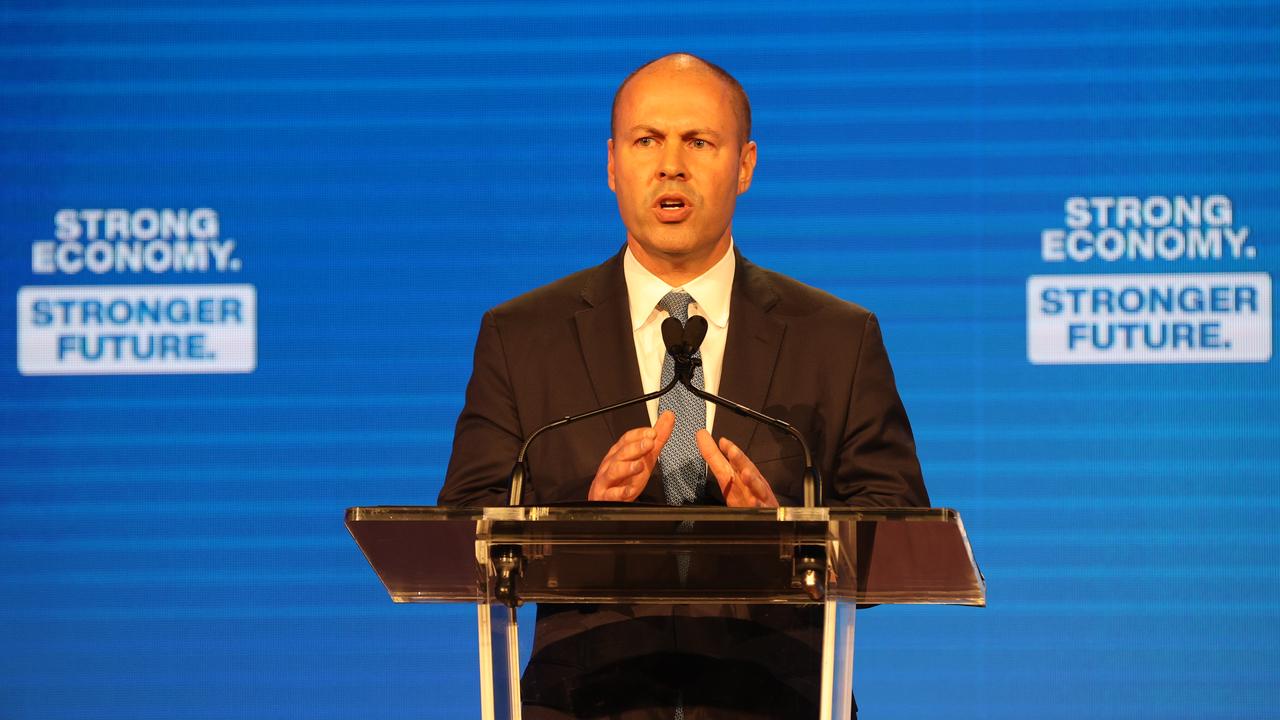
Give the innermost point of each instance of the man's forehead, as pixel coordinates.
(669, 78)
(676, 100)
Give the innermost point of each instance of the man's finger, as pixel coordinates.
(622, 480)
(734, 455)
(631, 436)
(748, 474)
(620, 493)
(716, 461)
(620, 470)
(662, 430)
(633, 450)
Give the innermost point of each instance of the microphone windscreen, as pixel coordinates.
(672, 334)
(694, 331)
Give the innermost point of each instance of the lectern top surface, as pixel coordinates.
(640, 513)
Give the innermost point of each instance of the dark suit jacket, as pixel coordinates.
(793, 352)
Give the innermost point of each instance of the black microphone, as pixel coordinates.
(694, 332)
(672, 335)
(682, 343)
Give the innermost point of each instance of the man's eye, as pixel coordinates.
(645, 142)
(699, 144)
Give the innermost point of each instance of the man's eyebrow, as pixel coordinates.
(650, 130)
(702, 131)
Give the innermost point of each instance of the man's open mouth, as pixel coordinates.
(672, 208)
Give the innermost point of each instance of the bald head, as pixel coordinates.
(687, 63)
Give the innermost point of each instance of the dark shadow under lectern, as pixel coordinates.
(499, 558)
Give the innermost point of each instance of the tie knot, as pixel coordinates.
(677, 305)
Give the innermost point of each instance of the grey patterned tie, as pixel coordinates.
(684, 472)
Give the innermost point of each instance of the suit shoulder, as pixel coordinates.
(798, 299)
(550, 300)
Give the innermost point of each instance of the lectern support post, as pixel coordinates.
(499, 660)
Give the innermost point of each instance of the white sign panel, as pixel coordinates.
(137, 329)
(1149, 318)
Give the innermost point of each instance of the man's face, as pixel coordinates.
(677, 165)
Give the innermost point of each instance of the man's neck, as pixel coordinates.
(678, 270)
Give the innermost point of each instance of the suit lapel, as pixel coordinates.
(750, 353)
(608, 346)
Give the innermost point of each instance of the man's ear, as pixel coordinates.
(609, 166)
(746, 166)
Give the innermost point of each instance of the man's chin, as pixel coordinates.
(675, 242)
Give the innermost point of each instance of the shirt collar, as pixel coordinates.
(711, 290)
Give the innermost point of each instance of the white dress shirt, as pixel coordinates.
(710, 292)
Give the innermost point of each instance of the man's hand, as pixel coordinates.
(740, 482)
(625, 469)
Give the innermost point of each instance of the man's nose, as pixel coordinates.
(672, 166)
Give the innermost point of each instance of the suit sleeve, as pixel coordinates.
(876, 463)
(488, 435)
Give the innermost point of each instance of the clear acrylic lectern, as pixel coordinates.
(499, 558)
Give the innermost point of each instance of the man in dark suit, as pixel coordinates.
(679, 157)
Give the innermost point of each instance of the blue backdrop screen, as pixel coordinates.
(246, 248)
